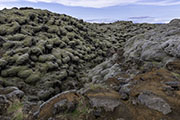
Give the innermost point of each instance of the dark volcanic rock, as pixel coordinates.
(104, 98)
(3, 104)
(154, 102)
(60, 103)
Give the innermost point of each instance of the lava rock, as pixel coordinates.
(154, 102)
(103, 98)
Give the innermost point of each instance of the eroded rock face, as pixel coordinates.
(161, 44)
(105, 70)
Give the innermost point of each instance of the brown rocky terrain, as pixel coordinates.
(55, 67)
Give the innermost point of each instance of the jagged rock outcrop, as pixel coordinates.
(160, 44)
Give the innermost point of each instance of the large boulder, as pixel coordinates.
(161, 44)
(103, 98)
(154, 102)
(62, 102)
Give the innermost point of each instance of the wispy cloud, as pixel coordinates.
(159, 3)
(7, 1)
(102, 3)
(137, 19)
(101, 20)
(89, 3)
(140, 17)
(108, 3)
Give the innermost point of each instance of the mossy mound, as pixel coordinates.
(42, 47)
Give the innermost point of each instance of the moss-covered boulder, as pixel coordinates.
(3, 63)
(12, 71)
(25, 73)
(23, 59)
(33, 78)
(48, 57)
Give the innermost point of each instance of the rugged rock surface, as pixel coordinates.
(161, 44)
(46, 56)
(154, 102)
(62, 102)
(55, 67)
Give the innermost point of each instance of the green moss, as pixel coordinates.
(19, 116)
(22, 59)
(12, 71)
(16, 110)
(53, 29)
(176, 74)
(27, 42)
(34, 58)
(59, 62)
(63, 74)
(65, 39)
(36, 51)
(56, 41)
(3, 63)
(66, 59)
(70, 35)
(51, 21)
(57, 53)
(22, 50)
(21, 20)
(72, 43)
(2, 19)
(14, 29)
(3, 30)
(8, 45)
(14, 107)
(33, 78)
(51, 65)
(25, 73)
(44, 58)
(17, 37)
(69, 28)
(63, 31)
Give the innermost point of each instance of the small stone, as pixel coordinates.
(124, 96)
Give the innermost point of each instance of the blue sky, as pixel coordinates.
(151, 11)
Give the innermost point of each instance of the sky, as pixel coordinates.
(138, 11)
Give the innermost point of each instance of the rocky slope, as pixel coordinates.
(55, 67)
